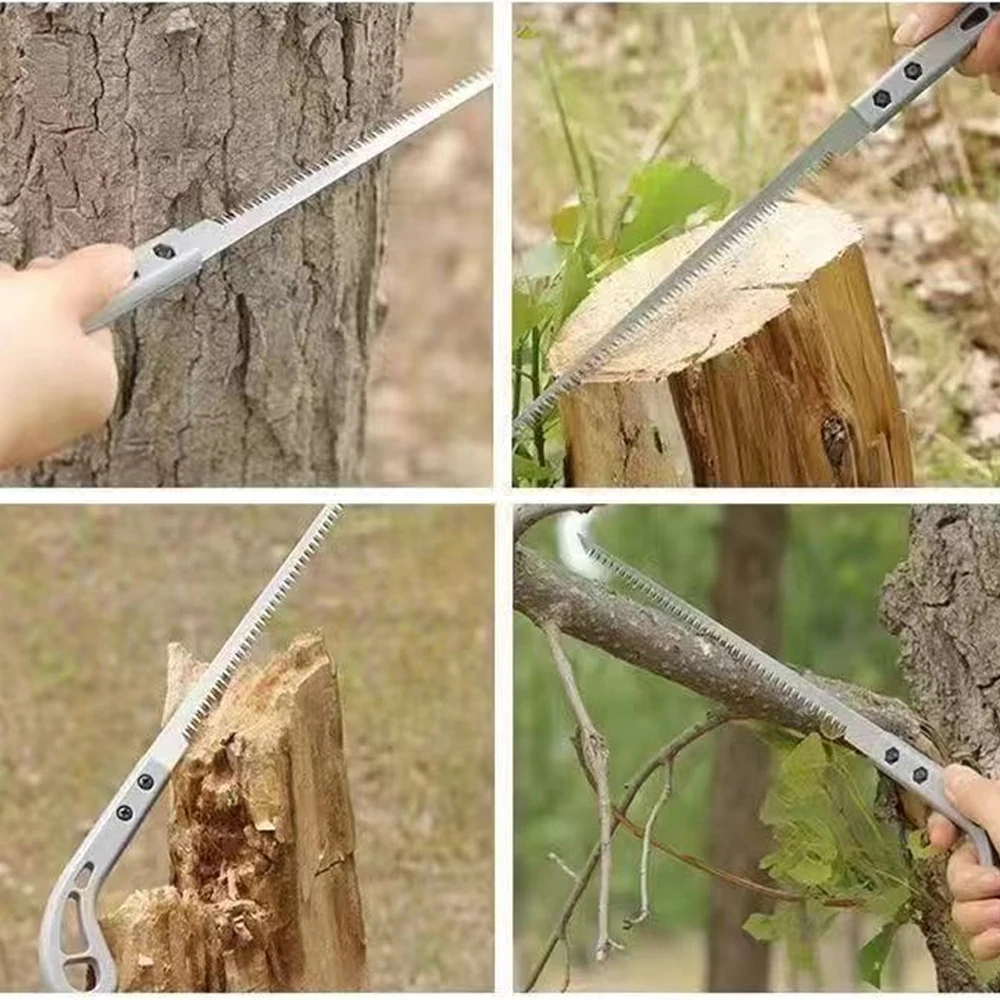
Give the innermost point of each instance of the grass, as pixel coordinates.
(742, 88)
(92, 596)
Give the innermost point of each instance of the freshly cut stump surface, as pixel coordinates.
(771, 370)
(263, 893)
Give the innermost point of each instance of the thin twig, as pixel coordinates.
(647, 835)
(568, 963)
(559, 863)
(668, 752)
(739, 881)
(595, 756)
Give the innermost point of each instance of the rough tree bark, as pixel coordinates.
(120, 121)
(943, 602)
(263, 893)
(771, 370)
(748, 599)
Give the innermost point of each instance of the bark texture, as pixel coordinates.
(943, 602)
(263, 893)
(771, 370)
(654, 641)
(120, 121)
(748, 599)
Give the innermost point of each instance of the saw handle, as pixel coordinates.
(160, 263)
(71, 943)
(925, 64)
(923, 776)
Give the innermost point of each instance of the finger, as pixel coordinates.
(40, 263)
(969, 880)
(104, 339)
(974, 796)
(985, 57)
(86, 280)
(924, 20)
(941, 832)
(976, 916)
(986, 946)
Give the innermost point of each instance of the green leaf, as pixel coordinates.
(916, 845)
(575, 285)
(665, 195)
(761, 927)
(873, 955)
(566, 224)
(525, 312)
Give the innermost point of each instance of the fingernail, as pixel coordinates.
(908, 33)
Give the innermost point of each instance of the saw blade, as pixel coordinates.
(209, 688)
(282, 198)
(76, 890)
(845, 133)
(892, 755)
(917, 70)
(176, 255)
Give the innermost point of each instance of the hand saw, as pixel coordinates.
(71, 936)
(893, 756)
(912, 75)
(177, 254)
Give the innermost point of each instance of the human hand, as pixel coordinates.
(975, 888)
(926, 18)
(56, 383)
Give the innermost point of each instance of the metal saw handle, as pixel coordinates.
(908, 767)
(160, 263)
(925, 64)
(71, 942)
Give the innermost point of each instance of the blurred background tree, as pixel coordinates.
(834, 564)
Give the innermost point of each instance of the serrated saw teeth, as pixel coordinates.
(402, 123)
(209, 689)
(782, 679)
(732, 234)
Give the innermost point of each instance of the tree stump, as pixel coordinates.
(263, 893)
(771, 371)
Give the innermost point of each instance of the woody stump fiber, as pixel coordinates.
(770, 371)
(263, 893)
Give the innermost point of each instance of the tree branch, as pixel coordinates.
(650, 639)
(528, 515)
(594, 752)
(665, 756)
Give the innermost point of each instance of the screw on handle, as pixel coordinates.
(73, 954)
(924, 65)
(160, 263)
(923, 776)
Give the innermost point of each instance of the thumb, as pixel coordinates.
(86, 280)
(923, 21)
(975, 797)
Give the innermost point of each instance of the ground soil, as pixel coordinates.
(429, 409)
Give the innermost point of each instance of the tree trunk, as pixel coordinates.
(120, 121)
(263, 893)
(943, 602)
(770, 371)
(748, 599)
